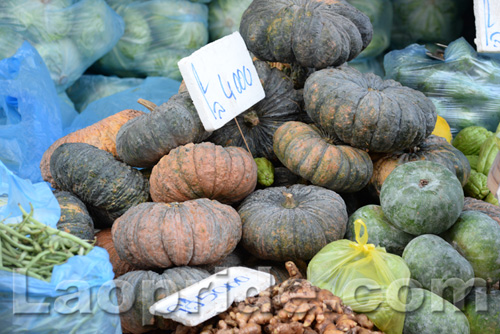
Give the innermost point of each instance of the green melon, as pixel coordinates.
(380, 231)
(477, 237)
(437, 265)
(422, 197)
(483, 311)
(427, 313)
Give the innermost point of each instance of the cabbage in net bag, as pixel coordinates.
(365, 277)
(464, 86)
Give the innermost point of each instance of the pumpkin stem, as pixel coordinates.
(289, 201)
(292, 269)
(148, 104)
(251, 118)
(423, 183)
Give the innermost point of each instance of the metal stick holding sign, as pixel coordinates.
(212, 295)
(487, 14)
(222, 80)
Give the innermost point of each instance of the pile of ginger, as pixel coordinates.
(292, 307)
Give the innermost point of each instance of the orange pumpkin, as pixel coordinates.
(161, 235)
(104, 240)
(101, 135)
(226, 174)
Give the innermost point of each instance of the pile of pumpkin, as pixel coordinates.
(167, 194)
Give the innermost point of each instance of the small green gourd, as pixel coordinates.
(477, 185)
(265, 172)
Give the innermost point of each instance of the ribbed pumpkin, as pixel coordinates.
(312, 33)
(434, 149)
(472, 204)
(306, 151)
(75, 219)
(103, 239)
(258, 124)
(203, 170)
(367, 112)
(101, 135)
(160, 235)
(148, 287)
(291, 223)
(107, 186)
(143, 141)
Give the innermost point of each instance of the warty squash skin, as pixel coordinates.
(312, 33)
(433, 148)
(145, 140)
(258, 124)
(148, 287)
(291, 223)
(107, 186)
(203, 170)
(101, 135)
(162, 235)
(367, 112)
(306, 151)
(75, 218)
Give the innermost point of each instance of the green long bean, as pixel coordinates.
(33, 249)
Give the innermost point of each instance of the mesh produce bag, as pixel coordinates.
(158, 33)
(70, 35)
(464, 86)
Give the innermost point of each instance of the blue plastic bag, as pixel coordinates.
(15, 191)
(30, 114)
(154, 89)
(79, 299)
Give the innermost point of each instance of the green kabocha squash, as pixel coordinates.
(470, 139)
(477, 237)
(142, 141)
(438, 267)
(483, 311)
(107, 186)
(380, 230)
(75, 219)
(265, 172)
(428, 313)
(433, 148)
(367, 112)
(312, 33)
(487, 155)
(289, 223)
(422, 197)
(477, 186)
(284, 177)
(146, 288)
(258, 124)
(308, 152)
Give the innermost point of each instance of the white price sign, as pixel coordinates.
(221, 80)
(212, 295)
(487, 14)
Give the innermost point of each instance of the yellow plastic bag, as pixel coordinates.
(365, 277)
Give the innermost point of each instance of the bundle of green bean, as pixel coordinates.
(32, 248)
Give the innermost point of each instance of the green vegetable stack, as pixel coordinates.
(33, 249)
(479, 146)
